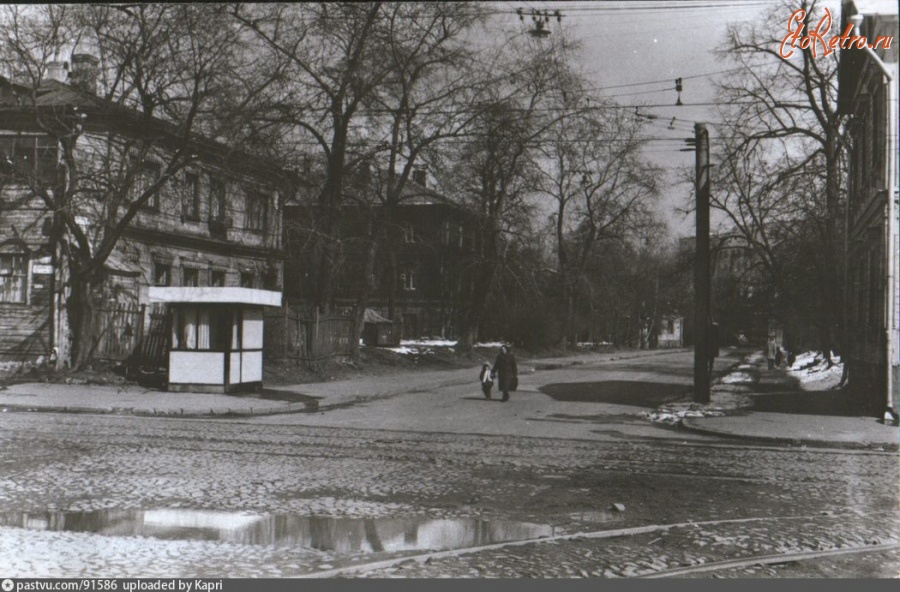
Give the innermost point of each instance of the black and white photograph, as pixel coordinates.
(473, 290)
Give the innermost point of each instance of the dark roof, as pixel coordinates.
(414, 194)
(103, 114)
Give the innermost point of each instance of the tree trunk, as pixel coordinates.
(472, 317)
(82, 313)
(365, 286)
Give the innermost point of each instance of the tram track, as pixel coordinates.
(422, 558)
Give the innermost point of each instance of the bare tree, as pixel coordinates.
(332, 65)
(425, 101)
(787, 133)
(602, 188)
(496, 168)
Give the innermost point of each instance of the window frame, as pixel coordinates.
(24, 275)
(214, 274)
(146, 174)
(220, 327)
(194, 272)
(256, 211)
(408, 280)
(218, 199)
(28, 149)
(167, 267)
(190, 196)
(409, 233)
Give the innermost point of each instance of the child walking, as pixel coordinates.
(486, 381)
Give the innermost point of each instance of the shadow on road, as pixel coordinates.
(618, 392)
(810, 403)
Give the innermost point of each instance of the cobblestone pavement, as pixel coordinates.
(690, 498)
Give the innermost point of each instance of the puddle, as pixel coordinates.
(342, 535)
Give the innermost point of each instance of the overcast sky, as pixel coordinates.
(635, 49)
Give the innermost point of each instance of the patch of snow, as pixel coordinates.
(403, 350)
(428, 342)
(737, 378)
(674, 414)
(812, 371)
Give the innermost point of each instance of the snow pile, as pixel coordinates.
(812, 370)
(423, 346)
(674, 414)
(426, 346)
(737, 378)
(428, 343)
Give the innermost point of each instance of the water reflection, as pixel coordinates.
(342, 535)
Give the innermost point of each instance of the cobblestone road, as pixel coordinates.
(691, 499)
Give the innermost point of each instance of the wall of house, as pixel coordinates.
(422, 278)
(240, 246)
(25, 323)
(872, 231)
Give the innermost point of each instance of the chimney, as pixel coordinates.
(84, 72)
(57, 71)
(420, 176)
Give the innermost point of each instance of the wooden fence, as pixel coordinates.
(306, 338)
(121, 335)
(117, 331)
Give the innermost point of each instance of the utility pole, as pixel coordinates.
(702, 312)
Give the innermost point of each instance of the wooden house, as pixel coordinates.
(215, 223)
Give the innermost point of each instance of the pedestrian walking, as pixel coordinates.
(486, 381)
(771, 350)
(506, 372)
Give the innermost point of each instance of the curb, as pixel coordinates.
(689, 424)
(212, 414)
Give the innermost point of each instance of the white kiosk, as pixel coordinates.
(217, 337)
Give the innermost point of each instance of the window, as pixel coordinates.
(216, 199)
(191, 277)
(146, 176)
(462, 236)
(445, 235)
(409, 233)
(217, 278)
(256, 210)
(13, 277)
(202, 328)
(162, 274)
(670, 326)
(190, 196)
(247, 279)
(30, 154)
(408, 280)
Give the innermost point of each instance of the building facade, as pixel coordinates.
(215, 222)
(422, 275)
(868, 81)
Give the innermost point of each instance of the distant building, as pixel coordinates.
(216, 224)
(741, 299)
(421, 278)
(868, 81)
(671, 332)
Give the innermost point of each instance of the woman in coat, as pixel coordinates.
(506, 372)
